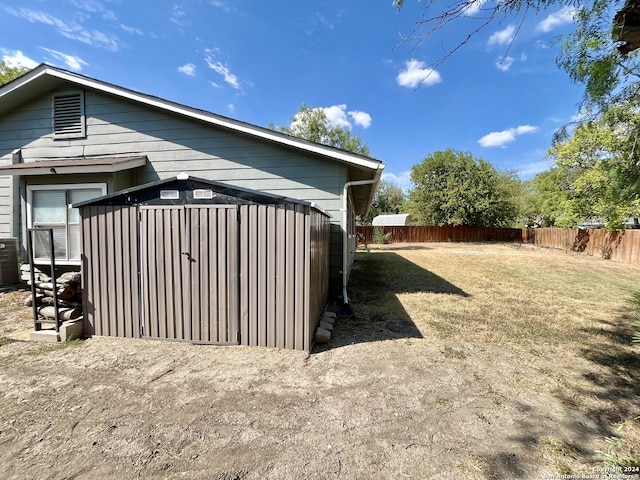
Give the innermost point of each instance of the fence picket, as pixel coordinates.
(620, 245)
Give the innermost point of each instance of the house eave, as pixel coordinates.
(39, 74)
(74, 166)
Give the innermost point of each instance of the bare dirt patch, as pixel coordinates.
(512, 364)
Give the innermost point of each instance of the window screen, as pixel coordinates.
(51, 208)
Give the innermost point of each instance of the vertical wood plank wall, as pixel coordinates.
(281, 253)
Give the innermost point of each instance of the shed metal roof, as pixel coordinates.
(391, 220)
(222, 193)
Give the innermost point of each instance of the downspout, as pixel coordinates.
(345, 232)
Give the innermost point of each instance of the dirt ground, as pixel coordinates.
(396, 407)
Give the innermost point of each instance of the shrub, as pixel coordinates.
(379, 236)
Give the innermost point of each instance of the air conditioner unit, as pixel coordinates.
(9, 265)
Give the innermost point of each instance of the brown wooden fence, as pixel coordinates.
(461, 233)
(620, 246)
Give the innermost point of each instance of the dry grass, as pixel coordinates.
(463, 361)
(14, 316)
(569, 316)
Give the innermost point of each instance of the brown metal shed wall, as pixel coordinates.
(281, 247)
(281, 251)
(189, 273)
(317, 280)
(110, 271)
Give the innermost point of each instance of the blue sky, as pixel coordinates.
(498, 97)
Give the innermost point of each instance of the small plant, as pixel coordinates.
(635, 302)
(45, 348)
(451, 352)
(379, 236)
(621, 452)
(559, 448)
(4, 341)
(606, 252)
(441, 402)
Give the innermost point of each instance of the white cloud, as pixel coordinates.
(504, 63)
(129, 29)
(503, 37)
(500, 139)
(473, 7)
(531, 169)
(360, 118)
(526, 129)
(188, 69)
(221, 69)
(221, 5)
(179, 16)
(72, 62)
(15, 59)
(231, 107)
(403, 179)
(561, 17)
(95, 6)
(70, 30)
(416, 74)
(337, 116)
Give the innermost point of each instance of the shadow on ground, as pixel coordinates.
(618, 379)
(376, 278)
(604, 406)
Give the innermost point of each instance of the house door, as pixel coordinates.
(189, 273)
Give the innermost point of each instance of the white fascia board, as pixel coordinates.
(217, 120)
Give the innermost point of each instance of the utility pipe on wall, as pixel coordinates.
(345, 230)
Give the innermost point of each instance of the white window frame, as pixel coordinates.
(62, 186)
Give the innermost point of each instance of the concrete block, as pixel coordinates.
(49, 336)
(329, 315)
(71, 330)
(68, 331)
(322, 335)
(330, 320)
(326, 325)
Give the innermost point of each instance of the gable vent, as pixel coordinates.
(68, 115)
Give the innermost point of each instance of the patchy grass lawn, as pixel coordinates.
(463, 361)
(567, 317)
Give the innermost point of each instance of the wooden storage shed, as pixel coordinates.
(201, 261)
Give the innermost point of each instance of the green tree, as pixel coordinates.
(455, 188)
(312, 124)
(601, 161)
(593, 56)
(389, 199)
(8, 72)
(549, 204)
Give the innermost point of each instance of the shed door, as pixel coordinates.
(189, 273)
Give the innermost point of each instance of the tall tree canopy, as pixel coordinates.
(312, 124)
(601, 162)
(9, 72)
(455, 188)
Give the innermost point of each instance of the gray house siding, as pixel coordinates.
(172, 145)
